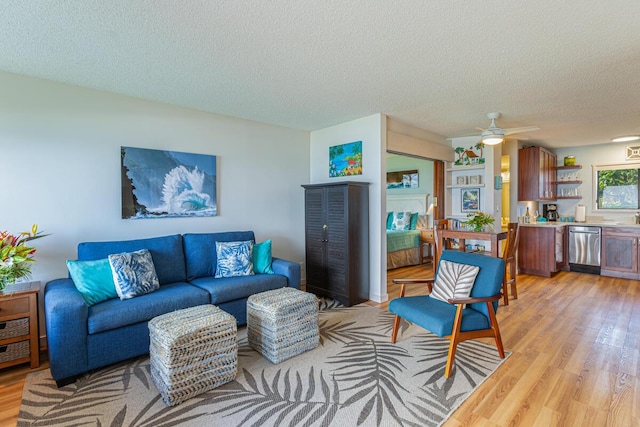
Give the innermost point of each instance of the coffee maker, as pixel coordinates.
(550, 211)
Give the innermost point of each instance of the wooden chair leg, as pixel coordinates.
(505, 293)
(496, 329)
(514, 289)
(396, 326)
(453, 344)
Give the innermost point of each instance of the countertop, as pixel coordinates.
(558, 224)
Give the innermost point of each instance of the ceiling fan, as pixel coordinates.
(494, 135)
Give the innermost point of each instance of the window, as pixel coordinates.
(616, 186)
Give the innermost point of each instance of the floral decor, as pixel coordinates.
(477, 220)
(15, 256)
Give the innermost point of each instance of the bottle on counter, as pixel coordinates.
(527, 216)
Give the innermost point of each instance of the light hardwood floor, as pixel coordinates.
(575, 343)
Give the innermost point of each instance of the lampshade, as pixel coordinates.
(492, 139)
(430, 210)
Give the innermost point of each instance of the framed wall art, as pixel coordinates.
(161, 184)
(403, 179)
(470, 199)
(345, 159)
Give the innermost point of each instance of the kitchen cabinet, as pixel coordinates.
(536, 174)
(337, 240)
(619, 256)
(542, 250)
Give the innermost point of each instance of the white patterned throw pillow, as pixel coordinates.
(454, 280)
(133, 273)
(234, 259)
(401, 221)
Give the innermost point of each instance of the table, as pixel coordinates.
(493, 236)
(19, 341)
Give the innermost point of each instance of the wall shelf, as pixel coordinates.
(568, 182)
(566, 168)
(465, 168)
(465, 186)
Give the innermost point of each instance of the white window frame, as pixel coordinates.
(615, 166)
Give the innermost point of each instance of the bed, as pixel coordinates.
(403, 246)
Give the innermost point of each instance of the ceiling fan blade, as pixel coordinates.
(521, 129)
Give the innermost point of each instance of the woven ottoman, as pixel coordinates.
(282, 323)
(192, 350)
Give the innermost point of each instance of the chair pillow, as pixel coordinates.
(133, 273)
(262, 258)
(454, 280)
(234, 259)
(401, 221)
(93, 279)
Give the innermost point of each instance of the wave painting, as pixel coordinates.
(161, 184)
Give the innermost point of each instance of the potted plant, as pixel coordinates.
(15, 256)
(478, 220)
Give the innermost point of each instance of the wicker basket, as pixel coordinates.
(282, 323)
(192, 351)
(14, 351)
(14, 328)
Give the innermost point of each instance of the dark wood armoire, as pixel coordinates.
(337, 240)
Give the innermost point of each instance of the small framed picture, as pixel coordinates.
(461, 180)
(475, 179)
(470, 199)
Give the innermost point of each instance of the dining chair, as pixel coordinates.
(510, 262)
(459, 305)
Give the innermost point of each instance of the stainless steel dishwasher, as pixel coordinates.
(584, 249)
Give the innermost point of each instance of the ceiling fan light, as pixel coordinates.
(625, 138)
(492, 139)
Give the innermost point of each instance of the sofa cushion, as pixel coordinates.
(116, 313)
(93, 279)
(200, 251)
(133, 273)
(167, 254)
(262, 258)
(232, 288)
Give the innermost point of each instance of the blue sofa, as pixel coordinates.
(81, 338)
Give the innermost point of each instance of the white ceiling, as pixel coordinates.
(571, 67)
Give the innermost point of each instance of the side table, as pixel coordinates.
(426, 238)
(19, 341)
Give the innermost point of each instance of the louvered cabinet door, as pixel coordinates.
(315, 238)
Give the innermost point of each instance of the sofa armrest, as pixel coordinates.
(289, 269)
(66, 316)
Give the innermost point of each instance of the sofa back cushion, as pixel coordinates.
(200, 250)
(167, 254)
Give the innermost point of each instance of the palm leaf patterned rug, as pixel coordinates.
(356, 376)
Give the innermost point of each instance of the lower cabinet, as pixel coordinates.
(542, 250)
(620, 252)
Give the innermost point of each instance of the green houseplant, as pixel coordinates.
(478, 220)
(15, 256)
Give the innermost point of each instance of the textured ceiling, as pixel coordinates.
(570, 67)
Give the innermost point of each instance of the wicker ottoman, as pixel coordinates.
(192, 351)
(282, 323)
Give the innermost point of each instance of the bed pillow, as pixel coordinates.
(133, 273)
(262, 259)
(454, 280)
(93, 279)
(401, 220)
(234, 259)
(389, 220)
(414, 221)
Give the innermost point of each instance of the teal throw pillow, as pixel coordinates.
(234, 259)
(389, 220)
(93, 279)
(262, 258)
(414, 221)
(133, 273)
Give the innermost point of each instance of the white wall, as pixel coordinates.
(60, 151)
(371, 131)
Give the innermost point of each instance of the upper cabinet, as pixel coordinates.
(536, 174)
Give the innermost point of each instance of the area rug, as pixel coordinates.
(356, 376)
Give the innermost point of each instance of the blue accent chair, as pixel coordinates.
(452, 320)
